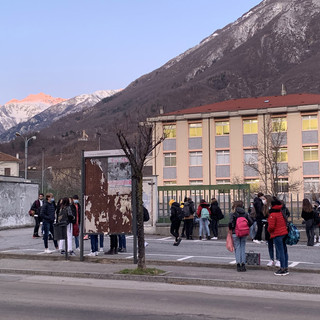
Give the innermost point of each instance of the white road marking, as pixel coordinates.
(233, 262)
(184, 258)
(130, 257)
(293, 264)
(164, 239)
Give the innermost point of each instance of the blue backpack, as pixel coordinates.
(293, 236)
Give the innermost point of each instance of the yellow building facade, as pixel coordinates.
(223, 142)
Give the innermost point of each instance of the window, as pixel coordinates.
(279, 124)
(169, 183)
(310, 153)
(169, 131)
(195, 129)
(223, 157)
(170, 159)
(222, 128)
(224, 181)
(195, 158)
(254, 184)
(195, 182)
(7, 171)
(310, 122)
(250, 126)
(251, 156)
(311, 185)
(283, 185)
(281, 155)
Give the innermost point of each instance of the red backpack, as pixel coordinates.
(242, 227)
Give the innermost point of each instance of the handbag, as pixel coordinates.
(229, 242)
(31, 213)
(253, 258)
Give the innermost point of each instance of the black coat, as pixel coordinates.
(47, 212)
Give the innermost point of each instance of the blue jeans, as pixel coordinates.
(94, 242)
(271, 253)
(204, 224)
(48, 226)
(239, 248)
(101, 240)
(282, 249)
(122, 241)
(76, 241)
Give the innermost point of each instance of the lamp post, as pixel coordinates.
(42, 178)
(26, 140)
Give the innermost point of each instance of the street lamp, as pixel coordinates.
(42, 178)
(26, 140)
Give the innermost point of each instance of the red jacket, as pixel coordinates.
(277, 225)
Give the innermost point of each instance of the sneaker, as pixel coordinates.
(208, 238)
(111, 251)
(96, 253)
(286, 271)
(37, 236)
(243, 267)
(146, 243)
(91, 254)
(101, 250)
(281, 272)
(277, 263)
(256, 241)
(179, 240)
(62, 252)
(315, 239)
(175, 243)
(71, 253)
(78, 249)
(238, 267)
(214, 238)
(47, 251)
(270, 263)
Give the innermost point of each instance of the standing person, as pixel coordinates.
(65, 215)
(113, 244)
(36, 208)
(122, 243)
(188, 211)
(239, 224)
(94, 245)
(204, 215)
(277, 227)
(216, 215)
(258, 202)
(308, 216)
(175, 218)
(76, 207)
(47, 214)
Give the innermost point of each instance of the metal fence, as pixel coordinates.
(225, 194)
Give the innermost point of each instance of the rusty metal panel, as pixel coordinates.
(107, 195)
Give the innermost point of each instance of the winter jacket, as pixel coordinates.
(47, 212)
(277, 225)
(65, 215)
(175, 212)
(235, 215)
(200, 207)
(307, 215)
(215, 211)
(258, 206)
(36, 207)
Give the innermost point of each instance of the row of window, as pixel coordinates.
(250, 156)
(250, 126)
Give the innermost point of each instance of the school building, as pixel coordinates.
(213, 144)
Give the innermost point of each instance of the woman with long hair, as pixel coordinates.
(308, 216)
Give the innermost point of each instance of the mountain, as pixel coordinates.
(54, 112)
(275, 43)
(17, 111)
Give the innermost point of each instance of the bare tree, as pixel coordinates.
(137, 146)
(271, 161)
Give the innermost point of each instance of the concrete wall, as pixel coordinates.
(16, 198)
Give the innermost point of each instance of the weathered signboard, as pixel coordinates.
(107, 192)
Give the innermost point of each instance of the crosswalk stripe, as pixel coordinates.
(185, 258)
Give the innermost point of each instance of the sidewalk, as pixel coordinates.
(179, 272)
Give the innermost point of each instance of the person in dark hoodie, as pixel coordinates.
(239, 240)
(259, 202)
(277, 227)
(308, 216)
(47, 214)
(216, 215)
(176, 215)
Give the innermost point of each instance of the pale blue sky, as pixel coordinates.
(69, 47)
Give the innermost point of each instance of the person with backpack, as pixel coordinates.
(216, 215)
(277, 227)
(176, 215)
(203, 213)
(188, 211)
(239, 224)
(308, 215)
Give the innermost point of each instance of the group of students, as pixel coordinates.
(66, 211)
(206, 215)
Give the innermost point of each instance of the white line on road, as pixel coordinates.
(184, 258)
(167, 238)
(233, 262)
(293, 264)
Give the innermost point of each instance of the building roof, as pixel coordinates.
(289, 100)
(7, 157)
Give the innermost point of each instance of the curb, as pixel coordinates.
(171, 280)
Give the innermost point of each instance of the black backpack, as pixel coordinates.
(186, 209)
(180, 213)
(317, 216)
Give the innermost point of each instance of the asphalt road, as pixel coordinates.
(38, 297)
(161, 248)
